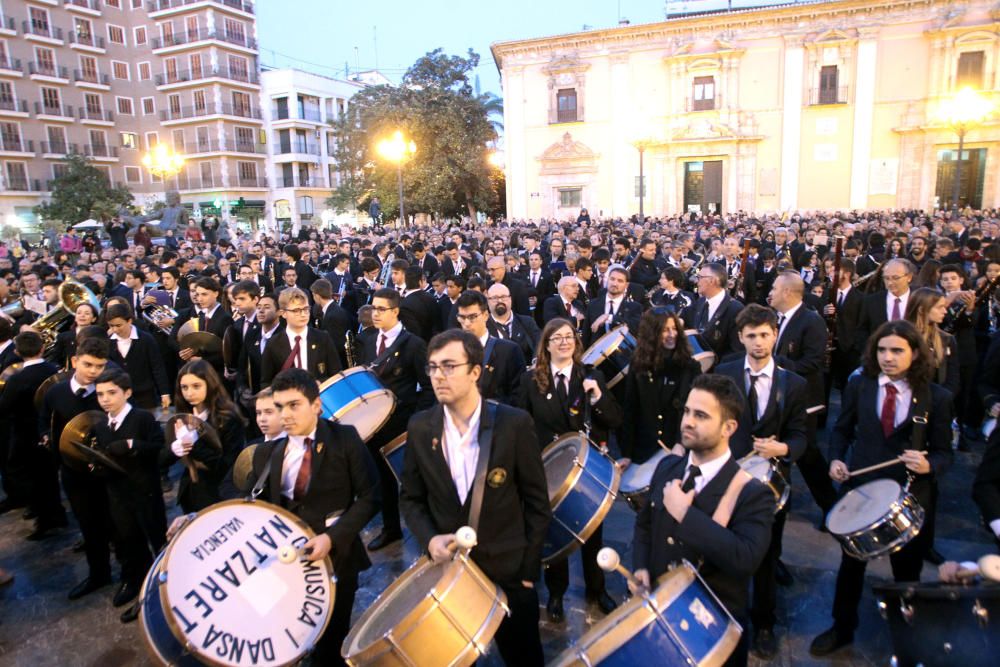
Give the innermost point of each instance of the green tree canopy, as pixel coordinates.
(82, 192)
(436, 108)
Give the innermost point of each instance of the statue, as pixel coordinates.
(171, 217)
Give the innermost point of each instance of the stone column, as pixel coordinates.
(864, 117)
(791, 121)
(517, 162)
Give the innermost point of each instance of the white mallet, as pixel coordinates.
(989, 567)
(609, 561)
(465, 537)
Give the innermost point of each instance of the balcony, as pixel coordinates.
(201, 35)
(54, 112)
(8, 26)
(37, 69)
(203, 183)
(246, 147)
(58, 148)
(298, 148)
(178, 5)
(13, 107)
(692, 105)
(822, 96)
(100, 151)
(311, 115)
(88, 42)
(201, 73)
(11, 66)
(16, 145)
(22, 184)
(184, 113)
(298, 181)
(237, 39)
(98, 116)
(44, 31)
(87, 7)
(251, 182)
(88, 79)
(240, 110)
(205, 146)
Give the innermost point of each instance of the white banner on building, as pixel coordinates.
(883, 176)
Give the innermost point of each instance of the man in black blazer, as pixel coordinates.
(505, 323)
(321, 472)
(714, 314)
(244, 296)
(497, 268)
(304, 276)
(889, 304)
(399, 359)
(454, 263)
(454, 286)
(772, 426)
(211, 317)
(506, 499)
(503, 361)
(889, 410)
(425, 261)
(299, 345)
(331, 318)
(801, 348)
(682, 518)
(27, 463)
(248, 367)
(846, 306)
(135, 351)
(565, 303)
(418, 310)
(612, 309)
(540, 285)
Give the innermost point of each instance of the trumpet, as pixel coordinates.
(865, 282)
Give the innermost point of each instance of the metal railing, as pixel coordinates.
(15, 105)
(93, 40)
(12, 64)
(162, 5)
(692, 105)
(58, 148)
(91, 77)
(43, 69)
(298, 147)
(251, 182)
(184, 76)
(818, 96)
(241, 110)
(42, 30)
(86, 4)
(96, 114)
(17, 145)
(100, 150)
(63, 110)
(185, 112)
(182, 37)
(22, 184)
(245, 146)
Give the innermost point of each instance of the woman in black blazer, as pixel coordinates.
(926, 310)
(200, 392)
(656, 387)
(557, 412)
(64, 347)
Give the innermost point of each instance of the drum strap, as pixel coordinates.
(482, 465)
(258, 488)
(921, 406)
(388, 352)
(727, 504)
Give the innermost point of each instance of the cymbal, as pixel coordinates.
(46, 384)
(243, 470)
(8, 372)
(206, 432)
(202, 342)
(78, 443)
(228, 348)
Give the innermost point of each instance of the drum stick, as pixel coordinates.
(609, 561)
(877, 466)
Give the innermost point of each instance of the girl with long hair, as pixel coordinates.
(199, 391)
(926, 310)
(656, 387)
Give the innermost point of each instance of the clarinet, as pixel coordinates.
(831, 320)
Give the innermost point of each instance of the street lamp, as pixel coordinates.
(163, 162)
(966, 110)
(397, 149)
(496, 159)
(641, 145)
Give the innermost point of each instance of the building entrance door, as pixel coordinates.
(970, 189)
(703, 186)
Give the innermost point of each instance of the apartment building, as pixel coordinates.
(298, 108)
(112, 78)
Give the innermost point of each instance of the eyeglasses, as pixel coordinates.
(471, 317)
(893, 279)
(447, 370)
(559, 340)
(705, 277)
(494, 299)
(297, 311)
(382, 309)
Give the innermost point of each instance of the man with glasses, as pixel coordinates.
(505, 323)
(887, 305)
(300, 345)
(398, 358)
(612, 309)
(503, 361)
(507, 489)
(497, 269)
(714, 314)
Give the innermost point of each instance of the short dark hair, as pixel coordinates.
(246, 287)
(173, 271)
(116, 376)
(473, 348)
(210, 284)
(389, 294)
(725, 391)
(28, 344)
(322, 288)
(93, 347)
(457, 279)
(292, 251)
(675, 276)
(296, 379)
(755, 315)
(6, 330)
(119, 311)
(472, 298)
(412, 276)
(953, 268)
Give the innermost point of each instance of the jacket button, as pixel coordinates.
(670, 540)
(659, 433)
(659, 416)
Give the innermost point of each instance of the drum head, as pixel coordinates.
(757, 467)
(637, 476)
(418, 584)
(369, 413)
(603, 346)
(229, 598)
(559, 460)
(863, 506)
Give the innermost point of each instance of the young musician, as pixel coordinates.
(890, 410)
(299, 346)
(554, 392)
(612, 308)
(244, 294)
(772, 426)
(133, 438)
(960, 323)
(503, 361)
(321, 472)
(136, 352)
(682, 518)
(211, 317)
(268, 418)
(248, 366)
(926, 311)
(656, 386)
(331, 317)
(399, 358)
(504, 497)
(200, 392)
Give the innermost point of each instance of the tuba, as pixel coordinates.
(71, 296)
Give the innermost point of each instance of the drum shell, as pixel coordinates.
(348, 390)
(700, 350)
(633, 490)
(427, 634)
(611, 354)
(900, 523)
(582, 501)
(160, 641)
(938, 625)
(634, 634)
(776, 478)
(394, 453)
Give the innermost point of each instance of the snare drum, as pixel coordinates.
(611, 354)
(434, 614)
(356, 397)
(700, 350)
(220, 595)
(583, 483)
(875, 519)
(681, 622)
(768, 472)
(636, 479)
(393, 454)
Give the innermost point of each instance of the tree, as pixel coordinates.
(436, 107)
(82, 191)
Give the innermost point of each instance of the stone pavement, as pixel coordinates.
(39, 627)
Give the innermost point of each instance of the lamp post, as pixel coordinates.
(966, 110)
(397, 149)
(641, 145)
(163, 162)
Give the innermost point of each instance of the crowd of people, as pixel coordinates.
(743, 326)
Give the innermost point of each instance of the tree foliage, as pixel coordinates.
(82, 192)
(435, 106)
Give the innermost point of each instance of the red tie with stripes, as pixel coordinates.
(305, 472)
(889, 410)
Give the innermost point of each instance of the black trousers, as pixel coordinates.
(557, 574)
(17, 465)
(765, 588)
(967, 409)
(88, 497)
(518, 639)
(328, 647)
(390, 487)
(140, 525)
(45, 497)
(815, 469)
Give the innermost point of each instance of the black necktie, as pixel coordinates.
(202, 324)
(753, 396)
(561, 389)
(688, 484)
(81, 392)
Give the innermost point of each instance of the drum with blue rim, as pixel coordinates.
(611, 354)
(680, 622)
(356, 397)
(393, 454)
(583, 483)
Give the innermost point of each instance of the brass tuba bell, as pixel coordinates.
(71, 295)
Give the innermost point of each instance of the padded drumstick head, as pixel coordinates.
(465, 537)
(288, 554)
(989, 567)
(608, 559)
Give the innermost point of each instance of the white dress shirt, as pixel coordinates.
(389, 336)
(115, 421)
(714, 303)
(708, 471)
(125, 344)
(842, 294)
(303, 347)
(890, 302)
(904, 394)
(762, 384)
(295, 450)
(76, 386)
(462, 451)
(265, 336)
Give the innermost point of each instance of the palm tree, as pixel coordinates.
(494, 110)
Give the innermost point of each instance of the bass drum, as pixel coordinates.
(219, 594)
(611, 354)
(356, 397)
(393, 453)
(700, 350)
(636, 480)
